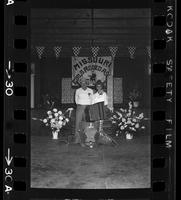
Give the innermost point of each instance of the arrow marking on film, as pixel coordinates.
(9, 65)
(9, 68)
(9, 158)
(7, 72)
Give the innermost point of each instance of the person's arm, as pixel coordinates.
(105, 99)
(76, 96)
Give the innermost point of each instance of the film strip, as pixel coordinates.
(17, 92)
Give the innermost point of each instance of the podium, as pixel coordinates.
(95, 112)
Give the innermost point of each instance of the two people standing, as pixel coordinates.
(84, 97)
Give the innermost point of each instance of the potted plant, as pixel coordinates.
(135, 96)
(56, 120)
(127, 121)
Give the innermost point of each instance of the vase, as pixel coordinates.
(90, 132)
(55, 135)
(129, 136)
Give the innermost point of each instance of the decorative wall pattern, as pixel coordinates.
(67, 91)
(118, 90)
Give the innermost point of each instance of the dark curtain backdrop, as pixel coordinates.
(133, 71)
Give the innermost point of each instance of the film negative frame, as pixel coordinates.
(16, 160)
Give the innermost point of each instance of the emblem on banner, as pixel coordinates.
(91, 68)
(132, 50)
(57, 50)
(40, 50)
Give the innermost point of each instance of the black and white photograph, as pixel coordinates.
(90, 98)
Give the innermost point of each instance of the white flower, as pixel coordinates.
(130, 105)
(134, 120)
(116, 134)
(60, 112)
(67, 120)
(129, 121)
(123, 119)
(46, 124)
(114, 122)
(137, 125)
(141, 116)
(56, 114)
(60, 122)
(64, 123)
(45, 121)
(52, 120)
(122, 127)
(50, 116)
(143, 127)
(60, 118)
(55, 110)
(49, 112)
(120, 124)
(120, 115)
(129, 114)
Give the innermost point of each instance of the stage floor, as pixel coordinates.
(57, 165)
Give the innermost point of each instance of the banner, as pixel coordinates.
(91, 68)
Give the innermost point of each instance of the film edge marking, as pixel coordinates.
(9, 2)
(8, 172)
(9, 83)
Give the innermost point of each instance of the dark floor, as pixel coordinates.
(57, 165)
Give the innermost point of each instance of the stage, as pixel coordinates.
(57, 165)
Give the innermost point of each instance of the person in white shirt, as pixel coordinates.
(83, 98)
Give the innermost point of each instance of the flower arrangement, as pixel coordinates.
(56, 119)
(127, 120)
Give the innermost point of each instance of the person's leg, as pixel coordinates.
(82, 126)
(79, 115)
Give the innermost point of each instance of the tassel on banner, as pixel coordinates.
(57, 50)
(149, 51)
(113, 51)
(132, 50)
(94, 51)
(40, 50)
(76, 51)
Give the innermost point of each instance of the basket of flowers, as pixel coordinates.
(127, 121)
(56, 119)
